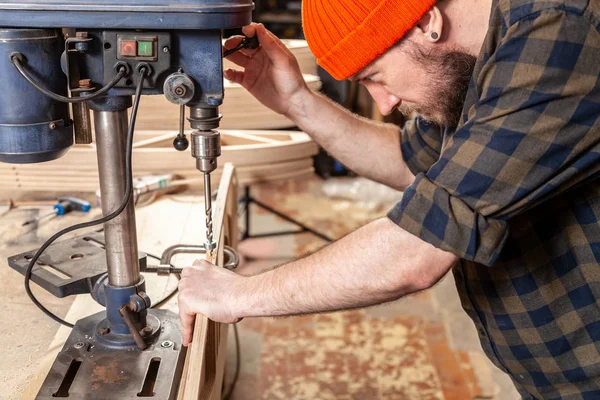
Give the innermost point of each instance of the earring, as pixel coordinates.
(435, 36)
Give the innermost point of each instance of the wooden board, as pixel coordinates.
(261, 156)
(240, 110)
(205, 362)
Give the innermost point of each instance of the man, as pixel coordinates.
(498, 172)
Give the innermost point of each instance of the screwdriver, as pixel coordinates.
(64, 206)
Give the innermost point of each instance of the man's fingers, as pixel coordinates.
(232, 41)
(234, 76)
(202, 263)
(239, 58)
(185, 272)
(198, 266)
(270, 44)
(187, 327)
(187, 319)
(250, 30)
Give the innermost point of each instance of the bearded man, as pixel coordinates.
(498, 170)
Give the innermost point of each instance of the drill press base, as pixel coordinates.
(86, 368)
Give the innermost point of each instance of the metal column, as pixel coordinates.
(120, 233)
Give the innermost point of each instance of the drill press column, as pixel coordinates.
(120, 234)
(124, 284)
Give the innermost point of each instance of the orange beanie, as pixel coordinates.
(347, 35)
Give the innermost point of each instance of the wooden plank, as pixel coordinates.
(299, 146)
(274, 155)
(240, 110)
(203, 373)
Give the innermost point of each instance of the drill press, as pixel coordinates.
(103, 53)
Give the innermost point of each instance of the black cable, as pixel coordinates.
(16, 59)
(117, 212)
(238, 364)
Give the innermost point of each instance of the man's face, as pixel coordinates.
(431, 82)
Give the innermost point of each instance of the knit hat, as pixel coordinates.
(347, 35)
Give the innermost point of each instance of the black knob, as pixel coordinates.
(181, 143)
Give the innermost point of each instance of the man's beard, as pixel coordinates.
(451, 72)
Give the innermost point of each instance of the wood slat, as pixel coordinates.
(205, 361)
(240, 110)
(261, 156)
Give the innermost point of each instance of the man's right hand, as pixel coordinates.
(271, 72)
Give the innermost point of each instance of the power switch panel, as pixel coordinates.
(137, 47)
(133, 48)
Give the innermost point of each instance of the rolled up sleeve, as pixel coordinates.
(421, 143)
(534, 133)
(432, 214)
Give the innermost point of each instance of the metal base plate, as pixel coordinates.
(68, 267)
(87, 369)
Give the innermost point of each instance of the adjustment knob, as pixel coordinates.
(181, 143)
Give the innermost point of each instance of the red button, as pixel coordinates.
(128, 48)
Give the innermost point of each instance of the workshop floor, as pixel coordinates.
(422, 347)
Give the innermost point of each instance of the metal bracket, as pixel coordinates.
(232, 259)
(68, 267)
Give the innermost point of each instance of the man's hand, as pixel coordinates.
(210, 290)
(271, 72)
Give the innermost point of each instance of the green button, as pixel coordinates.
(145, 49)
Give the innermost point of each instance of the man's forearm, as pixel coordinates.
(369, 148)
(378, 263)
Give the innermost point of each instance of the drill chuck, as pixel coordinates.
(206, 147)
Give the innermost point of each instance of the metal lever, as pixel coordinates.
(180, 142)
(246, 43)
(125, 312)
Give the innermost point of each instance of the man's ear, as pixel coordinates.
(430, 27)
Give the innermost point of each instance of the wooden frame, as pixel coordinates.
(205, 362)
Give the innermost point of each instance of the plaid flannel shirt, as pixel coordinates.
(512, 192)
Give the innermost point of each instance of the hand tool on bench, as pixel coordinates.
(64, 206)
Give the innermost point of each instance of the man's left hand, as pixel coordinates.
(210, 290)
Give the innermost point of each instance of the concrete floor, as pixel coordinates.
(421, 347)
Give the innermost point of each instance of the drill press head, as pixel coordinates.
(178, 36)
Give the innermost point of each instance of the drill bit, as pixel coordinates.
(210, 244)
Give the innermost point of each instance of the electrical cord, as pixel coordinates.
(17, 60)
(116, 213)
